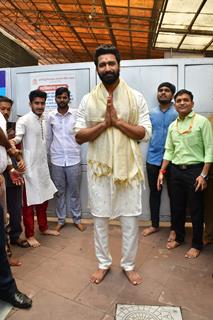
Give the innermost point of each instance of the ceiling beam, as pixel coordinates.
(208, 45)
(30, 22)
(162, 12)
(107, 22)
(72, 29)
(87, 20)
(183, 31)
(130, 33)
(32, 13)
(153, 24)
(192, 22)
(36, 24)
(23, 43)
(181, 50)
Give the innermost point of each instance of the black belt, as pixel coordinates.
(186, 166)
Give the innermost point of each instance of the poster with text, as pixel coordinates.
(50, 81)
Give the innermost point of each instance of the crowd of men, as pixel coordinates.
(113, 118)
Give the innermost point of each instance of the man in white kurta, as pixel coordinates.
(113, 118)
(30, 130)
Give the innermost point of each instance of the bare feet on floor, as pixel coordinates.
(59, 227)
(99, 275)
(33, 242)
(133, 277)
(80, 226)
(192, 253)
(149, 230)
(13, 262)
(50, 232)
(172, 245)
(172, 236)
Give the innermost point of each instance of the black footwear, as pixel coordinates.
(18, 300)
(20, 243)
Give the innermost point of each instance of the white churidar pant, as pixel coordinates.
(129, 242)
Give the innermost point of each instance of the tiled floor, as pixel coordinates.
(56, 276)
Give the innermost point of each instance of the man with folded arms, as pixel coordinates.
(189, 148)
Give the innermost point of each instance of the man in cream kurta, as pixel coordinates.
(113, 118)
(39, 187)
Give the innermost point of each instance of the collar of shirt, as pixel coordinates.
(63, 115)
(171, 106)
(36, 116)
(190, 115)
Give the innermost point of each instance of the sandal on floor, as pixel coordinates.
(21, 243)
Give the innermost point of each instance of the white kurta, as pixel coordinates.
(105, 198)
(30, 130)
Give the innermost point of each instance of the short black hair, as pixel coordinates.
(106, 49)
(61, 90)
(6, 99)
(37, 94)
(184, 91)
(168, 85)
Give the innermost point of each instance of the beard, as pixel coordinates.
(164, 100)
(109, 77)
(63, 105)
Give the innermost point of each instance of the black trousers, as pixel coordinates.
(155, 195)
(184, 196)
(7, 283)
(14, 204)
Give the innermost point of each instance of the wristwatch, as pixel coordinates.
(204, 176)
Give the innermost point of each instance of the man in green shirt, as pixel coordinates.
(189, 148)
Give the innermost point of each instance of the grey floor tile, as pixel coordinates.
(49, 306)
(191, 289)
(103, 295)
(64, 274)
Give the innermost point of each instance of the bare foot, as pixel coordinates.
(59, 227)
(13, 262)
(50, 232)
(192, 253)
(99, 275)
(172, 245)
(149, 231)
(172, 236)
(33, 242)
(80, 226)
(133, 277)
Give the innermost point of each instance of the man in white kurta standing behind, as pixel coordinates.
(30, 130)
(64, 155)
(113, 118)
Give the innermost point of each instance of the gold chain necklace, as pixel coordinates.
(189, 128)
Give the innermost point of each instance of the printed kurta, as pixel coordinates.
(30, 130)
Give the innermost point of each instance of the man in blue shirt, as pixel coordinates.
(161, 117)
